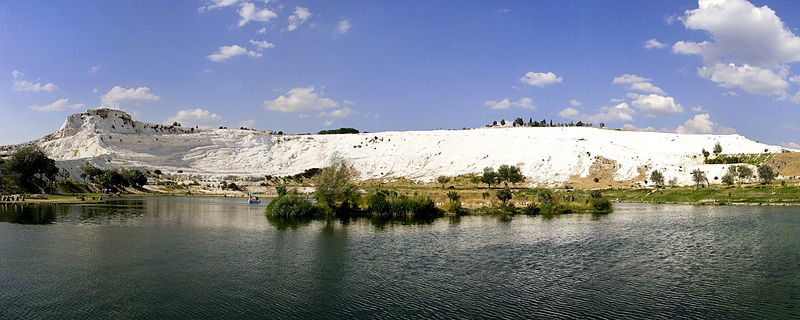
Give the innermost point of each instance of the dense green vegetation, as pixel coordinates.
(28, 170)
(339, 131)
(114, 179)
(753, 194)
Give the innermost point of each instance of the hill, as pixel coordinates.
(547, 156)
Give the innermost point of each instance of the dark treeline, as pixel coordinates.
(339, 131)
(519, 122)
(114, 179)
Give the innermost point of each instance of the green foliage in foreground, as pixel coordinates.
(31, 169)
(713, 195)
(291, 205)
(389, 204)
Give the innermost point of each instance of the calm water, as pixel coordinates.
(216, 257)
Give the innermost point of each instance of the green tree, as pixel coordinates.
(32, 168)
(705, 153)
(506, 174)
(89, 172)
(657, 178)
(110, 179)
(502, 122)
(728, 179)
(475, 179)
(519, 122)
(766, 174)
(504, 195)
(489, 176)
(699, 177)
(717, 148)
(443, 180)
(335, 185)
(745, 172)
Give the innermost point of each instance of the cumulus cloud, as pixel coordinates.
(248, 12)
(652, 105)
(791, 145)
(654, 44)
(215, 4)
(540, 79)
(59, 105)
(748, 78)
(249, 123)
(227, 52)
(300, 15)
(637, 83)
(300, 100)
(796, 98)
(575, 103)
(701, 123)
(342, 27)
(338, 113)
(618, 113)
(117, 96)
(749, 46)
(24, 85)
(261, 45)
(196, 117)
(525, 103)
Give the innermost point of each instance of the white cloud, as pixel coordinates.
(342, 27)
(118, 95)
(249, 12)
(748, 78)
(652, 105)
(95, 90)
(525, 103)
(24, 85)
(215, 4)
(338, 113)
(791, 145)
(730, 93)
(59, 105)
(749, 46)
(701, 123)
(227, 52)
(540, 79)
(196, 117)
(328, 123)
(499, 105)
(795, 79)
(300, 100)
(249, 123)
(637, 83)
(262, 31)
(697, 109)
(796, 98)
(261, 45)
(299, 17)
(631, 127)
(618, 113)
(575, 103)
(654, 44)
(94, 69)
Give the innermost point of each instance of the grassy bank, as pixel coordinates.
(715, 195)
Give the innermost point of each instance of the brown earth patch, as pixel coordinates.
(787, 163)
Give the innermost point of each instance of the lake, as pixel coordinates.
(176, 257)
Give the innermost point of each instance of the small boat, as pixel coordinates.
(253, 200)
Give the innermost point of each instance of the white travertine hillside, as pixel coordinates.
(548, 156)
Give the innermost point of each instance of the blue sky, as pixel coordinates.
(716, 66)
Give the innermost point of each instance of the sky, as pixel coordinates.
(708, 66)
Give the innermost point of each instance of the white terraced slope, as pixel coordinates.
(547, 156)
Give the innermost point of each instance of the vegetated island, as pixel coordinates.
(510, 167)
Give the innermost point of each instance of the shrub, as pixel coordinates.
(699, 177)
(335, 131)
(765, 173)
(728, 179)
(291, 205)
(388, 204)
(717, 148)
(443, 180)
(657, 178)
(531, 209)
(335, 185)
(280, 190)
(601, 204)
(545, 196)
(504, 195)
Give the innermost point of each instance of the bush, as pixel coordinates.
(531, 209)
(601, 204)
(388, 204)
(765, 173)
(504, 195)
(291, 205)
(338, 131)
(335, 185)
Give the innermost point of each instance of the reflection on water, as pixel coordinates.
(222, 258)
